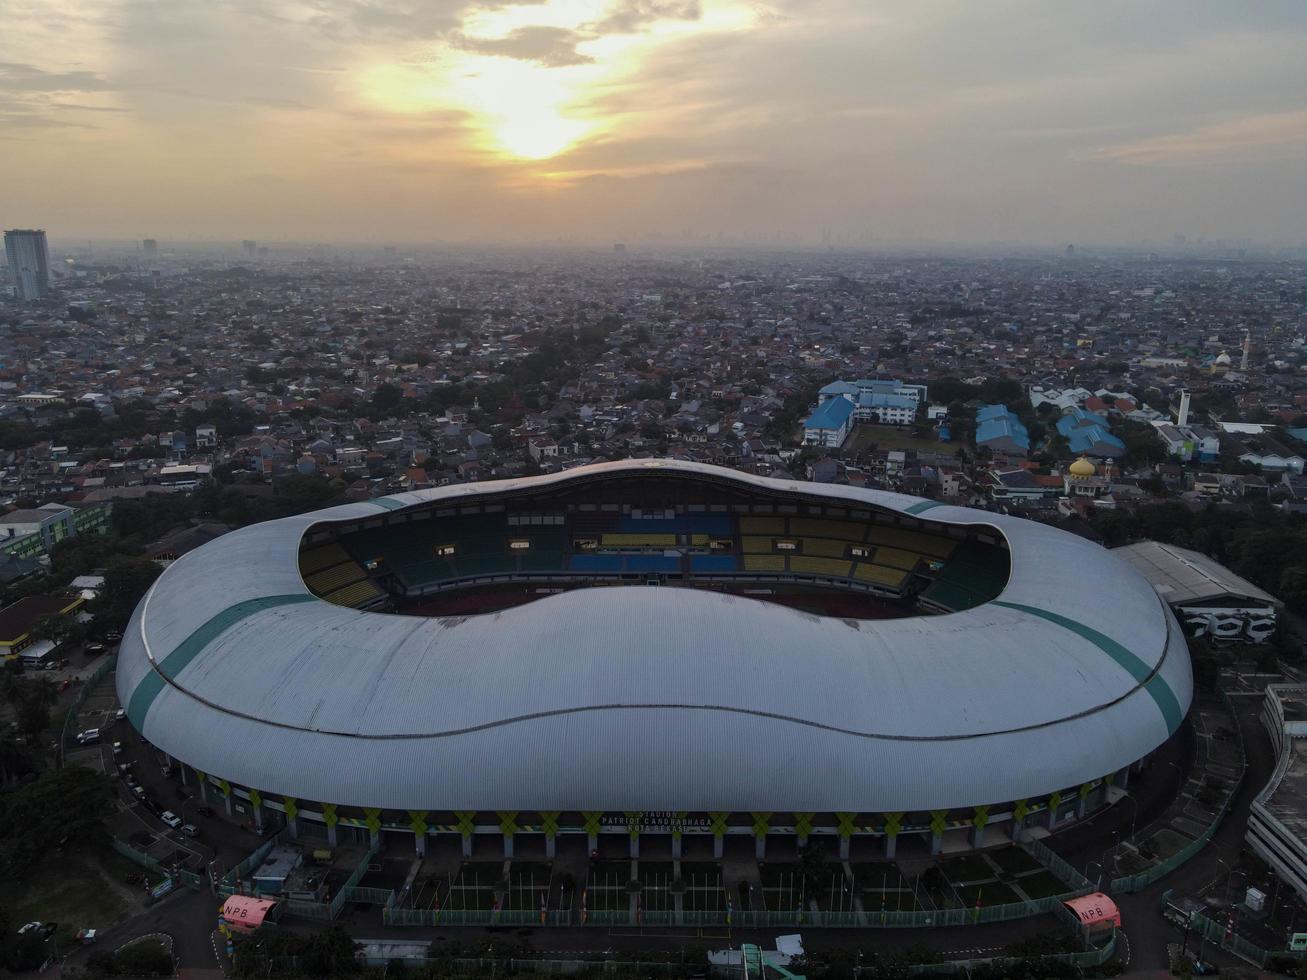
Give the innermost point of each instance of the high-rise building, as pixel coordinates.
(250, 246)
(29, 262)
(150, 247)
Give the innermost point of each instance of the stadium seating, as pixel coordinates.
(975, 574)
(320, 557)
(762, 525)
(764, 563)
(891, 578)
(714, 563)
(643, 540)
(595, 563)
(358, 594)
(820, 566)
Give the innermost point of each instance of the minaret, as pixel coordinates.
(1247, 347)
(1182, 417)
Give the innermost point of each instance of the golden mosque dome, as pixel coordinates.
(1082, 467)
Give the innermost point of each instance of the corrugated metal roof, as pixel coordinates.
(1180, 575)
(648, 699)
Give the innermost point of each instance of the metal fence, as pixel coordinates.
(190, 879)
(1096, 956)
(1140, 881)
(70, 719)
(1215, 931)
(237, 879)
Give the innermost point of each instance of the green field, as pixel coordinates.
(71, 889)
(887, 437)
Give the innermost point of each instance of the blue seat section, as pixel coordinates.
(713, 563)
(720, 525)
(596, 563)
(652, 563)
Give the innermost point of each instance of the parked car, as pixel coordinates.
(88, 737)
(119, 715)
(165, 771)
(113, 637)
(190, 830)
(86, 936)
(117, 748)
(95, 649)
(138, 791)
(30, 927)
(171, 819)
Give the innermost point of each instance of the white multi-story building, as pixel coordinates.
(887, 401)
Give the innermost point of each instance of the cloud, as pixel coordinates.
(552, 47)
(15, 77)
(1275, 135)
(631, 16)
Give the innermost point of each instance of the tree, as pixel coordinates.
(126, 581)
(69, 802)
(387, 397)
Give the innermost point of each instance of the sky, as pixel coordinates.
(964, 121)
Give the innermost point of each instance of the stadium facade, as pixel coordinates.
(789, 660)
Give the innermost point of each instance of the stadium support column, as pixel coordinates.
(844, 824)
(678, 826)
(1054, 802)
(893, 824)
(256, 809)
(979, 821)
(1122, 779)
(372, 820)
(594, 820)
(1086, 791)
(1020, 810)
(507, 827)
(292, 815)
(938, 822)
(803, 827)
(466, 827)
(185, 780)
(417, 820)
(634, 820)
(549, 821)
(717, 823)
(203, 780)
(761, 824)
(225, 786)
(330, 818)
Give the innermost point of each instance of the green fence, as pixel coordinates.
(187, 878)
(1215, 932)
(1063, 871)
(237, 879)
(477, 917)
(70, 719)
(1140, 881)
(357, 895)
(1096, 956)
(633, 967)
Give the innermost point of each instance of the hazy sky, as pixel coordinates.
(960, 120)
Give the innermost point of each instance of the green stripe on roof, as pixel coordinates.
(917, 508)
(389, 503)
(1140, 671)
(186, 651)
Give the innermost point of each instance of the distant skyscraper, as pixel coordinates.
(251, 247)
(151, 248)
(29, 262)
(619, 248)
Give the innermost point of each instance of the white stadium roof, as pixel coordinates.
(654, 698)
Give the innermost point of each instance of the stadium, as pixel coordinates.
(646, 651)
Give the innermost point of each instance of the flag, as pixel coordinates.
(585, 914)
(978, 893)
(729, 909)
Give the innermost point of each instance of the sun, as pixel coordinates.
(523, 110)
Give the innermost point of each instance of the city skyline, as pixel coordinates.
(592, 119)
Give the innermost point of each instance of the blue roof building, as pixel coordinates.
(999, 430)
(1089, 435)
(829, 424)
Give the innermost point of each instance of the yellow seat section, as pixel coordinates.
(762, 525)
(820, 566)
(764, 563)
(926, 544)
(890, 577)
(825, 548)
(897, 558)
(334, 578)
(813, 527)
(316, 559)
(354, 595)
(638, 540)
(756, 545)
(699, 539)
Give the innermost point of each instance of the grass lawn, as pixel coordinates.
(1041, 885)
(69, 889)
(1013, 860)
(886, 437)
(990, 893)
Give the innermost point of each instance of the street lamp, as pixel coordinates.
(1179, 776)
(1134, 812)
(1100, 872)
